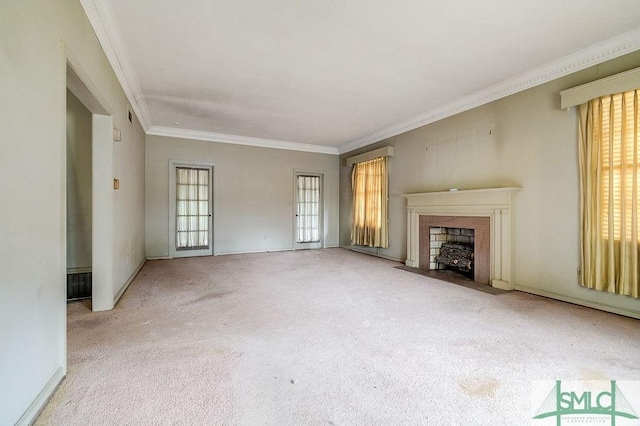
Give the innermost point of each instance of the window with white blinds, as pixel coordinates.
(610, 193)
(192, 208)
(619, 132)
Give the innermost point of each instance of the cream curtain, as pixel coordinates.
(609, 182)
(369, 183)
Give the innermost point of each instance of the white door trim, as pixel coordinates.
(173, 164)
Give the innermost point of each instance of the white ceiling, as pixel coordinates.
(331, 76)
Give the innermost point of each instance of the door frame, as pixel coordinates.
(315, 245)
(173, 252)
(102, 197)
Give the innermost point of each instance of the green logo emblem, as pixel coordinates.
(609, 403)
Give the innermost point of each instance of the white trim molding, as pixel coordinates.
(31, 414)
(106, 28)
(577, 301)
(239, 140)
(230, 253)
(125, 286)
(494, 203)
(359, 250)
(593, 55)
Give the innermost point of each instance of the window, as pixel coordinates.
(370, 199)
(610, 185)
(619, 160)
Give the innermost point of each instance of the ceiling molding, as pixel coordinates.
(108, 33)
(239, 140)
(103, 22)
(593, 55)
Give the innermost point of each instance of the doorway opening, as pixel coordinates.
(89, 159)
(79, 199)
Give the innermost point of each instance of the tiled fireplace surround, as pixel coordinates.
(486, 211)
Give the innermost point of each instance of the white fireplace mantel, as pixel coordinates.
(494, 203)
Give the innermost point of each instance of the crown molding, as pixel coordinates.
(239, 140)
(106, 28)
(103, 22)
(593, 55)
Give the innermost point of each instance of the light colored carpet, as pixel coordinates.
(324, 337)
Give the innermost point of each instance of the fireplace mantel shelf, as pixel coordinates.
(480, 197)
(494, 203)
(458, 191)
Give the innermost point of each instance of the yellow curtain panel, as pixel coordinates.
(609, 186)
(369, 183)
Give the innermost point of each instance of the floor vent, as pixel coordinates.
(79, 286)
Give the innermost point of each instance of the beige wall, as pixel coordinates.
(33, 38)
(523, 140)
(79, 185)
(128, 201)
(253, 193)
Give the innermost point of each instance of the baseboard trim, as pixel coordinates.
(31, 414)
(502, 285)
(382, 256)
(576, 301)
(126, 284)
(227, 253)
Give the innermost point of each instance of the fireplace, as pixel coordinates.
(481, 245)
(485, 211)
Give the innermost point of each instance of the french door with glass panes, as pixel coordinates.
(308, 211)
(191, 232)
